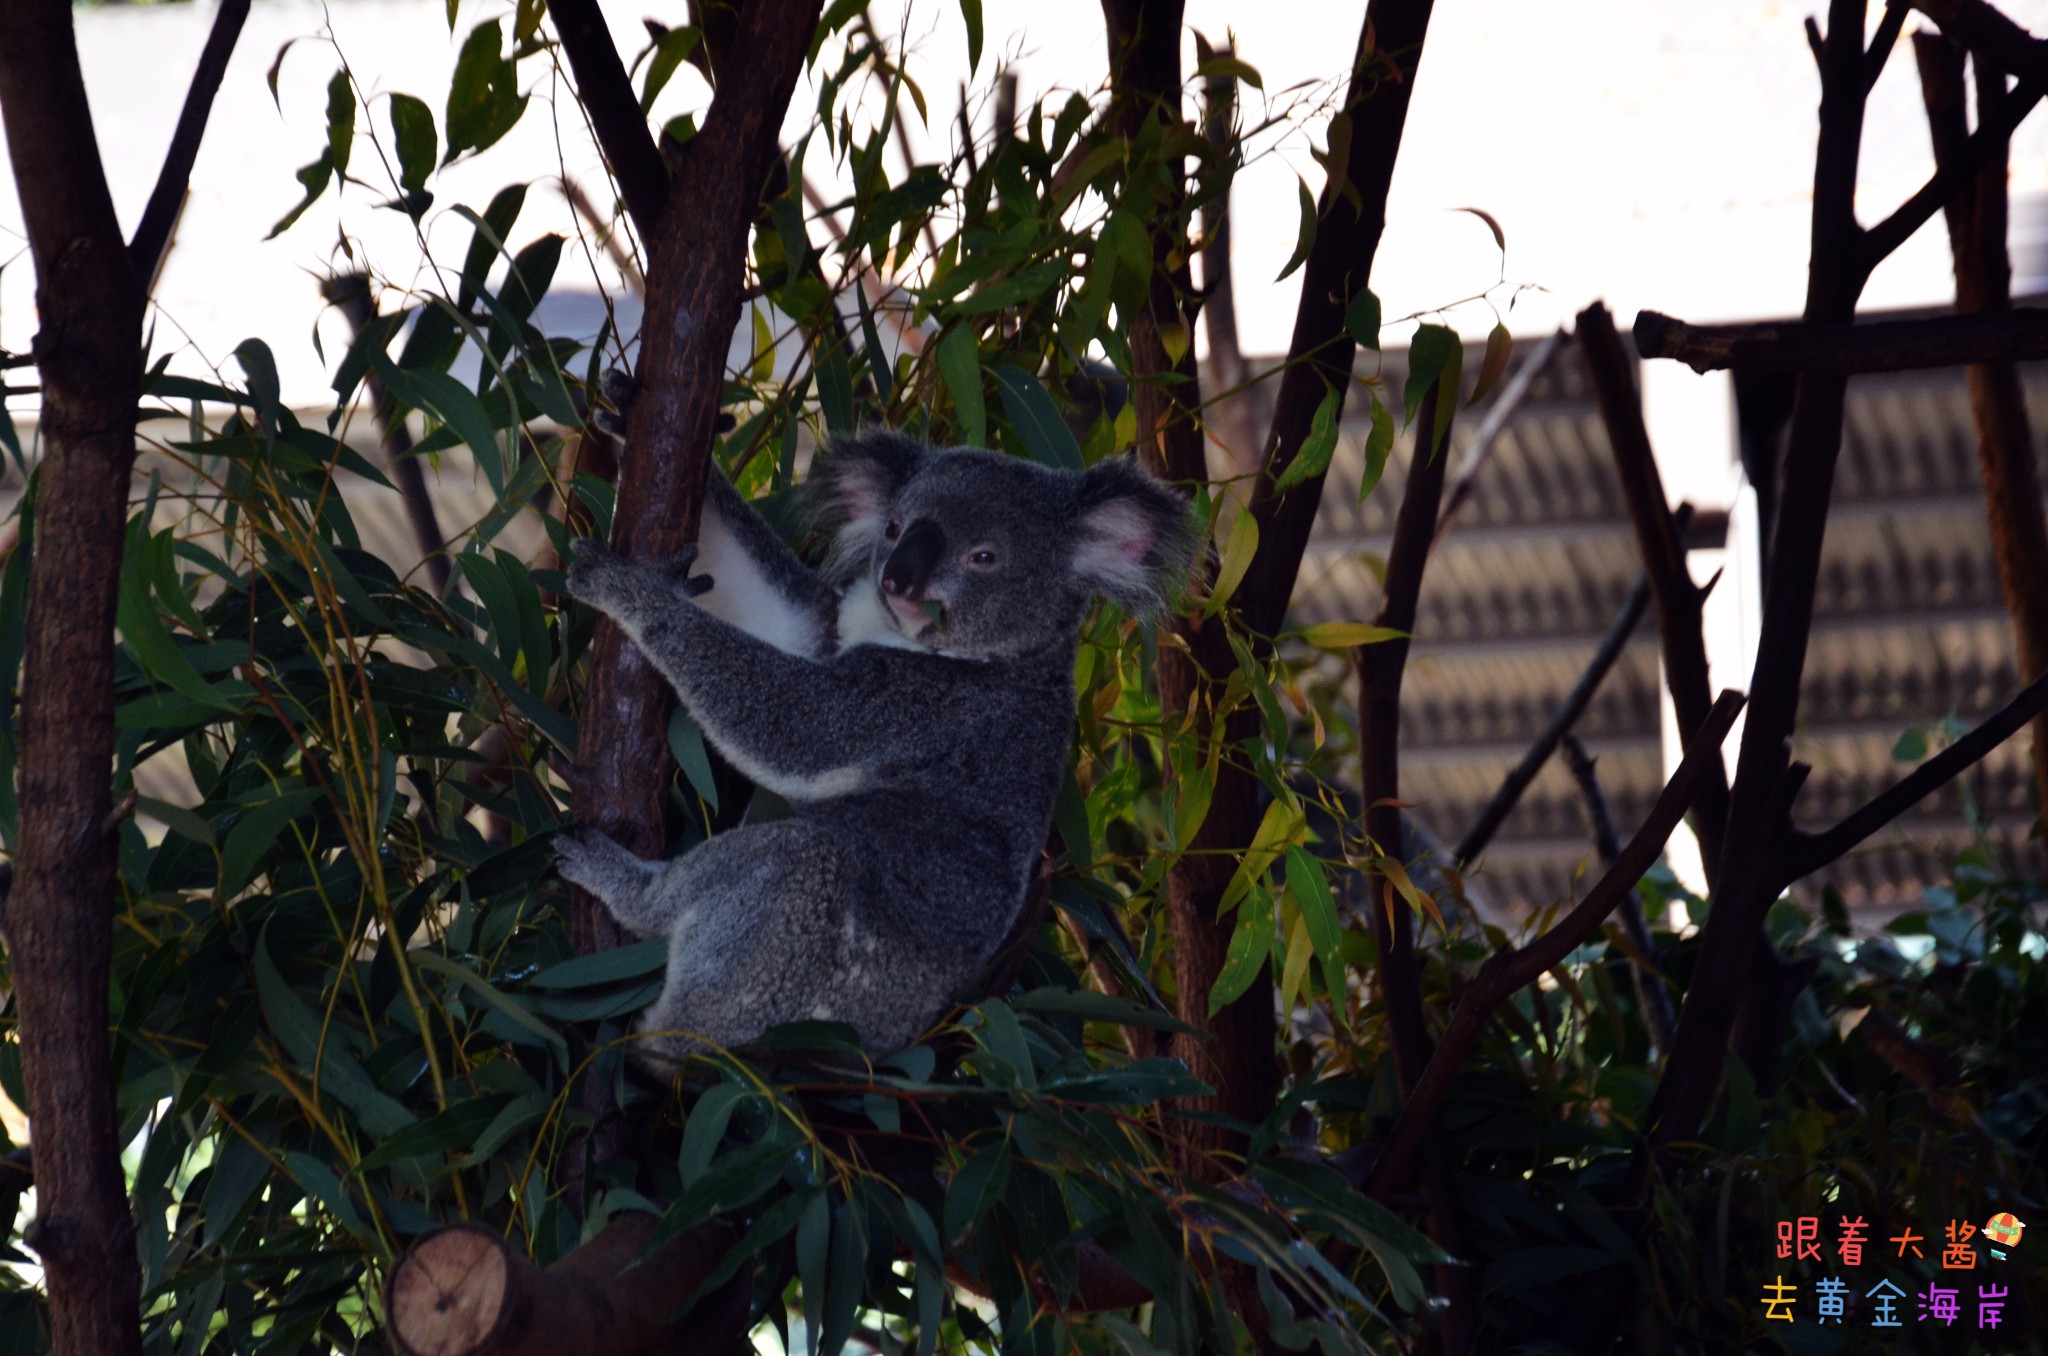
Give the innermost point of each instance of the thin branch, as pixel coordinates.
(607, 235)
(1506, 971)
(1490, 428)
(1566, 716)
(350, 294)
(1814, 851)
(1977, 227)
(1381, 668)
(1352, 216)
(1645, 963)
(1882, 42)
(1842, 350)
(1993, 131)
(607, 94)
(146, 249)
(1660, 541)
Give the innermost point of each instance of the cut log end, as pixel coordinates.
(448, 1296)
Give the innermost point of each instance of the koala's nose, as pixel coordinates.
(909, 566)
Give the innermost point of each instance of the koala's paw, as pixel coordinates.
(603, 579)
(616, 389)
(581, 860)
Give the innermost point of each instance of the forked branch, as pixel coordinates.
(1506, 971)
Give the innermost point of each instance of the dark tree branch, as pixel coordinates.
(1561, 722)
(1882, 42)
(153, 234)
(1506, 971)
(1977, 222)
(1847, 349)
(60, 912)
(1352, 215)
(1381, 668)
(696, 245)
(350, 294)
(1982, 28)
(1658, 538)
(1650, 991)
(465, 1291)
(607, 95)
(1814, 851)
(1988, 140)
(1498, 416)
(1766, 781)
(1927, 1067)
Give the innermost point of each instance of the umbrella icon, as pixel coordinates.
(2004, 1232)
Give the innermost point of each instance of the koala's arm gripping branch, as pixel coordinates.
(802, 728)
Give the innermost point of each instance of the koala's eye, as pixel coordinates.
(982, 559)
(892, 532)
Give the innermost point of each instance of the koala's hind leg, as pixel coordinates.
(758, 934)
(624, 882)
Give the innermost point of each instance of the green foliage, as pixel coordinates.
(347, 1007)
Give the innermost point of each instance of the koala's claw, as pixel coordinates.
(616, 389)
(675, 572)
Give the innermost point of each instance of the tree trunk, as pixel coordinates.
(60, 916)
(696, 254)
(2005, 443)
(1234, 1054)
(465, 1291)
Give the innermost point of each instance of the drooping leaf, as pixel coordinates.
(970, 10)
(1500, 346)
(412, 130)
(1362, 319)
(1305, 238)
(960, 365)
(1379, 444)
(1037, 420)
(1313, 457)
(483, 97)
(1436, 357)
(1251, 942)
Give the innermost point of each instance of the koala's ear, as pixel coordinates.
(852, 486)
(1133, 537)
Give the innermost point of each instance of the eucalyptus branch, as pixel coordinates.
(1506, 971)
(153, 234)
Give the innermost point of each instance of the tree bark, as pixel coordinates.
(2005, 443)
(1380, 669)
(1845, 349)
(465, 1291)
(1351, 217)
(1679, 600)
(696, 254)
(90, 296)
(1233, 1052)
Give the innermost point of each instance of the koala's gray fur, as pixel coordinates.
(912, 701)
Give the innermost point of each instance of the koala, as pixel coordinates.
(912, 699)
